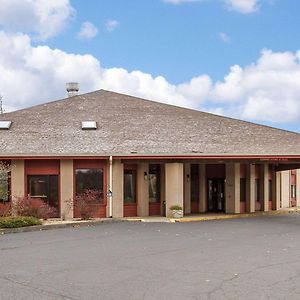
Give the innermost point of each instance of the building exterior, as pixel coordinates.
(142, 157)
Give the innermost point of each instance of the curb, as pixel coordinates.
(59, 226)
(229, 217)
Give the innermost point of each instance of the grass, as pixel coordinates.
(15, 222)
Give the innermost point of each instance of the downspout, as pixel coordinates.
(110, 187)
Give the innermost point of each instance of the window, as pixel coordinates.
(129, 186)
(4, 186)
(154, 183)
(270, 190)
(89, 180)
(44, 187)
(257, 190)
(293, 191)
(243, 190)
(194, 183)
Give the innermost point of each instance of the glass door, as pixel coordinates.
(216, 199)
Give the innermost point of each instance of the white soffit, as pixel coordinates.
(89, 125)
(5, 125)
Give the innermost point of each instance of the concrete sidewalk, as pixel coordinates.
(57, 223)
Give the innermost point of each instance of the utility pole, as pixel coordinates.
(1, 105)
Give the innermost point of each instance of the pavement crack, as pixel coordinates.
(36, 288)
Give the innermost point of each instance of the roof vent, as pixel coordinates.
(89, 125)
(5, 125)
(72, 88)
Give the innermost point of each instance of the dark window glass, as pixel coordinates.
(243, 190)
(44, 187)
(194, 183)
(293, 191)
(257, 189)
(270, 190)
(154, 183)
(89, 180)
(129, 186)
(4, 186)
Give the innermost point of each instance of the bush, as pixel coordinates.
(175, 207)
(85, 204)
(5, 209)
(34, 207)
(15, 222)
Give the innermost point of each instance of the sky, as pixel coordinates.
(237, 58)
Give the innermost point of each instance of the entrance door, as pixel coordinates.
(216, 199)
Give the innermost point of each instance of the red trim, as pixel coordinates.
(154, 209)
(242, 207)
(42, 167)
(262, 157)
(194, 207)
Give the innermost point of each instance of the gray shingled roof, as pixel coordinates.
(127, 124)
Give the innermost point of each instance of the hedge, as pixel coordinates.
(15, 222)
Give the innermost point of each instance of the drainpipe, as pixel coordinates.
(110, 187)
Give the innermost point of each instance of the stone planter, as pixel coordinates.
(177, 214)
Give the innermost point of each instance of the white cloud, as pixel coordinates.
(42, 18)
(242, 6)
(267, 90)
(111, 25)
(40, 74)
(224, 37)
(181, 1)
(87, 31)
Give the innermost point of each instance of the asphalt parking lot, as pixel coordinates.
(255, 258)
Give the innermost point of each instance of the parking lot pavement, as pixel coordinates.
(255, 258)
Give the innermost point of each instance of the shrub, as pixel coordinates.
(85, 203)
(15, 222)
(5, 209)
(175, 207)
(34, 207)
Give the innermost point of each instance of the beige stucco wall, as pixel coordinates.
(66, 188)
(276, 189)
(142, 190)
(285, 189)
(17, 179)
(174, 186)
(117, 189)
(298, 187)
(187, 188)
(202, 189)
(250, 188)
(264, 187)
(232, 188)
(162, 189)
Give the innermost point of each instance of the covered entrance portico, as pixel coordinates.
(200, 185)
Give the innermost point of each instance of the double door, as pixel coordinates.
(216, 195)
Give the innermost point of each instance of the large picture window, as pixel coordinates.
(243, 190)
(154, 183)
(129, 186)
(44, 187)
(257, 190)
(89, 180)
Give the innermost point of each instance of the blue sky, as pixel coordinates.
(182, 41)
(183, 53)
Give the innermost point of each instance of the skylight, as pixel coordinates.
(89, 125)
(5, 125)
